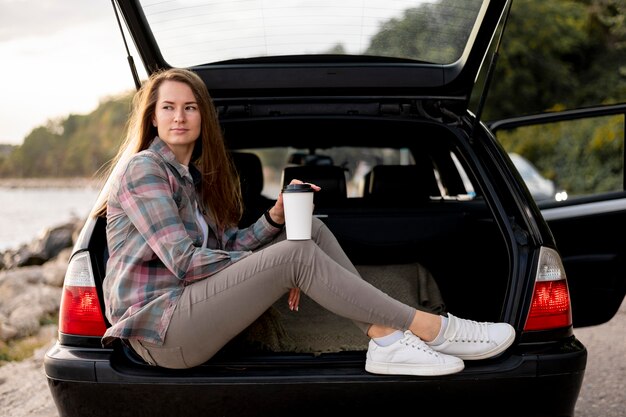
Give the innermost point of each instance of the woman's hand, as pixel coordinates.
(294, 299)
(277, 212)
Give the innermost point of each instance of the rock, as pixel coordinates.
(23, 256)
(25, 300)
(48, 332)
(7, 332)
(31, 283)
(44, 296)
(25, 319)
(53, 271)
(10, 288)
(54, 240)
(28, 274)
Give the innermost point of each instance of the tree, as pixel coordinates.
(546, 46)
(427, 32)
(560, 53)
(78, 145)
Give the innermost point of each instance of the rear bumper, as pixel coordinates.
(89, 382)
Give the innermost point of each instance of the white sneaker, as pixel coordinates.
(471, 340)
(409, 356)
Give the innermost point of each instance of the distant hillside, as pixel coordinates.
(5, 150)
(555, 54)
(76, 146)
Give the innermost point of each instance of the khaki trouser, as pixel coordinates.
(212, 311)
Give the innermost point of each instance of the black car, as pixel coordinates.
(420, 193)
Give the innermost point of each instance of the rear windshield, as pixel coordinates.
(190, 32)
(357, 163)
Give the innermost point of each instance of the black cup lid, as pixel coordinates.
(297, 188)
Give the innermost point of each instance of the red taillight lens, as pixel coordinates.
(80, 312)
(550, 307)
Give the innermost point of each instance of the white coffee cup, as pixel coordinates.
(298, 204)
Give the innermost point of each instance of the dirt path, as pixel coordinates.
(603, 393)
(23, 388)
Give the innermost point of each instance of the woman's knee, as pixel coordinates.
(293, 249)
(304, 246)
(316, 223)
(318, 228)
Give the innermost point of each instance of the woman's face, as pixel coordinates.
(177, 118)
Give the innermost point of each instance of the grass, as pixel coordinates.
(17, 350)
(24, 348)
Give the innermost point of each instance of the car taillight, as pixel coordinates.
(550, 307)
(80, 312)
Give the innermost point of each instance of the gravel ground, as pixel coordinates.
(603, 393)
(24, 390)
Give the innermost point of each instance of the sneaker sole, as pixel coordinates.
(408, 369)
(489, 354)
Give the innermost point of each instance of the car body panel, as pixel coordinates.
(586, 230)
(339, 388)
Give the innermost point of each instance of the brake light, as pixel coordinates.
(550, 307)
(80, 312)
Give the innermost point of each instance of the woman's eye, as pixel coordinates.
(191, 108)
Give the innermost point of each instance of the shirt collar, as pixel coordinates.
(159, 146)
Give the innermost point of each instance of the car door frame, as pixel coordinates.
(589, 231)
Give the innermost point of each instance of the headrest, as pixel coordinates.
(331, 178)
(250, 171)
(409, 183)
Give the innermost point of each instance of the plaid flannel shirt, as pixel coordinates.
(155, 244)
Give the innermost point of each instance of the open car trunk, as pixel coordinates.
(430, 241)
(375, 123)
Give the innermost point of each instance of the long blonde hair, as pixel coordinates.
(219, 189)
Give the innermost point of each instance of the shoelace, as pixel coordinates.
(470, 331)
(410, 339)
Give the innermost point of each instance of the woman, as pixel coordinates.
(182, 280)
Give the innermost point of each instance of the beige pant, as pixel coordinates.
(213, 311)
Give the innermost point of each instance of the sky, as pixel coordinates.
(58, 57)
(62, 57)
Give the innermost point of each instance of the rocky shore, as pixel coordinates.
(31, 281)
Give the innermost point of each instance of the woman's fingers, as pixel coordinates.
(294, 299)
(315, 187)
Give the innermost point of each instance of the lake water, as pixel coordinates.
(25, 213)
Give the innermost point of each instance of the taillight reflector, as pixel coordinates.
(550, 307)
(80, 312)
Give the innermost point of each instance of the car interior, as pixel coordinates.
(414, 224)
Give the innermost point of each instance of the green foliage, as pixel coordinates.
(565, 54)
(428, 32)
(559, 53)
(583, 157)
(20, 349)
(554, 54)
(545, 47)
(77, 146)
